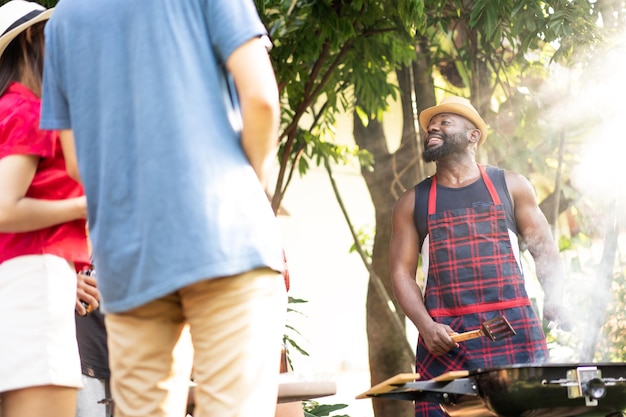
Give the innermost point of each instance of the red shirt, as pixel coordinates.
(20, 135)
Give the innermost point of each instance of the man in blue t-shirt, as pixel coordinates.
(174, 165)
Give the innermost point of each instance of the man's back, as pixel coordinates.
(172, 197)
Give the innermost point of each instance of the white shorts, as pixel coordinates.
(37, 329)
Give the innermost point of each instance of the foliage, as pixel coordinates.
(612, 347)
(320, 49)
(500, 57)
(582, 265)
(313, 408)
(291, 333)
(497, 52)
(365, 240)
(334, 56)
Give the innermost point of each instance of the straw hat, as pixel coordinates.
(18, 15)
(456, 105)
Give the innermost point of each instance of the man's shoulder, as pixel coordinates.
(492, 169)
(410, 198)
(423, 185)
(498, 175)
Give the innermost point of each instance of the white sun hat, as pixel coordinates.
(18, 15)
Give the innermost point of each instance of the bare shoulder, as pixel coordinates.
(519, 186)
(531, 223)
(405, 203)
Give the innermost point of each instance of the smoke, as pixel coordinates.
(588, 104)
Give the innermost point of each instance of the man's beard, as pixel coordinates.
(449, 145)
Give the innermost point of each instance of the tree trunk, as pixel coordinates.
(602, 289)
(387, 352)
(391, 176)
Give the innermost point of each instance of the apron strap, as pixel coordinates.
(492, 189)
(432, 195)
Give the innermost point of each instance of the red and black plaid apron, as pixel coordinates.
(472, 277)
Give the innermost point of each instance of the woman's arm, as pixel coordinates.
(19, 213)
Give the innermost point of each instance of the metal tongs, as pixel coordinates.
(495, 329)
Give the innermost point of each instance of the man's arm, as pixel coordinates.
(535, 231)
(69, 153)
(256, 86)
(403, 259)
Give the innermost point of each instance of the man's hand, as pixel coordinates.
(87, 294)
(437, 339)
(556, 313)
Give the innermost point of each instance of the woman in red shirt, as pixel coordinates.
(42, 234)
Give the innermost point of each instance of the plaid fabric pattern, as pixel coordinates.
(473, 277)
(423, 409)
(472, 262)
(527, 346)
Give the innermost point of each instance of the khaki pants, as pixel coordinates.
(236, 326)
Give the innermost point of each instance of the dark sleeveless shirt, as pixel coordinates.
(472, 195)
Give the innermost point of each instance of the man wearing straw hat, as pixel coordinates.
(169, 112)
(464, 221)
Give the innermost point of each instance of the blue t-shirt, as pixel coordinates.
(172, 199)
